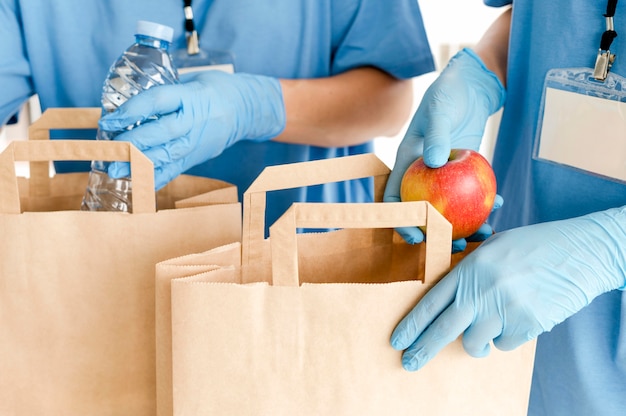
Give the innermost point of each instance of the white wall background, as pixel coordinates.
(450, 25)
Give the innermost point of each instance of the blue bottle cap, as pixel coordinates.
(155, 30)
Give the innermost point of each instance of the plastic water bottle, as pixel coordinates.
(144, 64)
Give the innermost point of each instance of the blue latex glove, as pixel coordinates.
(197, 119)
(516, 285)
(452, 114)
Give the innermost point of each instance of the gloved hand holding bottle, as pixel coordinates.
(452, 114)
(516, 285)
(197, 119)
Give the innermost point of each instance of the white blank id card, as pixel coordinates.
(584, 132)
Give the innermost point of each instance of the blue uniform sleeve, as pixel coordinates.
(497, 3)
(386, 35)
(15, 75)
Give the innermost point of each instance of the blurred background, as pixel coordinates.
(450, 26)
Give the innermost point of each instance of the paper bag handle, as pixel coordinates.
(56, 118)
(283, 240)
(296, 175)
(141, 167)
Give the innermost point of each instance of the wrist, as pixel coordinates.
(610, 238)
(489, 78)
(263, 107)
(493, 47)
(490, 63)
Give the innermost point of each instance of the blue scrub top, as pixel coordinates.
(580, 366)
(62, 50)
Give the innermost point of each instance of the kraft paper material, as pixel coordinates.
(77, 289)
(299, 324)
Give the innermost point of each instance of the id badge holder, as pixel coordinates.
(194, 58)
(202, 60)
(582, 123)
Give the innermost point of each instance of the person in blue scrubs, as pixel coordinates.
(555, 269)
(314, 79)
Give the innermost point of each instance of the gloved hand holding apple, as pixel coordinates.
(452, 114)
(463, 190)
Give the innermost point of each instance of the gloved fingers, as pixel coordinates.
(509, 340)
(122, 169)
(484, 232)
(162, 155)
(165, 158)
(426, 311)
(392, 189)
(156, 132)
(412, 235)
(437, 139)
(118, 170)
(169, 152)
(407, 153)
(479, 335)
(444, 330)
(497, 202)
(166, 173)
(154, 102)
(459, 245)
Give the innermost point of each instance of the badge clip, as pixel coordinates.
(604, 61)
(193, 46)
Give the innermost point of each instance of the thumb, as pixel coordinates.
(437, 142)
(156, 101)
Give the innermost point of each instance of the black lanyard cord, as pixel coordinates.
(605, 59)
(193, 46)
(610, 8)
(610, 33)
(189, 26)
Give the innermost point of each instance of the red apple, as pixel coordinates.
(463, 190)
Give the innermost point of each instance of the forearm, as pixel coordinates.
(346, 109)
(493, 47)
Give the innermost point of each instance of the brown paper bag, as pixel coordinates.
(300, 324)
(77, 288)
